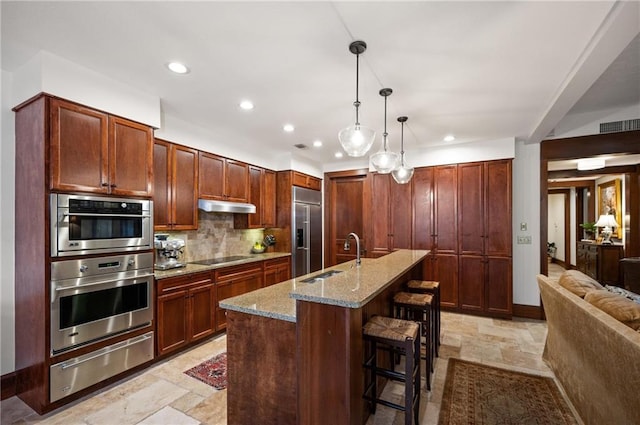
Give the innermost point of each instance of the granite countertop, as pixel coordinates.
(196, 268)
(352, 288)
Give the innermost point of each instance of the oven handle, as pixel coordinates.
(128, 344)
(66, 214)
(102, 282)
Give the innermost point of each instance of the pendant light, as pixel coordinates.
(384, 161)
(356, 140)
(403, 173)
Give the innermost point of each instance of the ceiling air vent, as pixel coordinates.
(301, 146)
(614, 126)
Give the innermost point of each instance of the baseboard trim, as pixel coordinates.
(528, 311)
(8, 385)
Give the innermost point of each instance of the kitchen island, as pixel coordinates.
(295, 349)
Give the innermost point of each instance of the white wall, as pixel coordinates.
(7, 229)
(526, 209)
(555, 217)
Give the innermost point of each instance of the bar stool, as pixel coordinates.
(394, 335)
(429, 287)
(417, 307)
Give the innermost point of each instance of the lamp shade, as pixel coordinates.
(356, 140)
(606, 220)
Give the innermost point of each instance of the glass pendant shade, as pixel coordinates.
(402, 174)
(356, 140)
(385, 161)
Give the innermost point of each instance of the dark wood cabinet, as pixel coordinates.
(600, 262)
(185, 310)
(232, 281)
(304, 180)
(262, 194)
(484, 225)
(462, 214)
(92, 151)
(435, 224)
(391, 215)
(277, 270)
(175, 196)
(347, 203)
(223, 179)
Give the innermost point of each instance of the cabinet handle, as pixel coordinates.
(113, 185)
(104, 184)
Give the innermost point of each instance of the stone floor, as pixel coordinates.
(163, 394)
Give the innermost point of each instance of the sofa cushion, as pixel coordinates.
(578, 282)
(617, 306)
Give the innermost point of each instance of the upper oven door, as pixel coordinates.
(83, 225)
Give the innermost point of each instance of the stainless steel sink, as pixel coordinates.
(324, 275)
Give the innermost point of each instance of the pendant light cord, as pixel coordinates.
(402, 143)
(357, 102)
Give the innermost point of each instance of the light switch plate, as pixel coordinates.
(523, 227)
(524, 240)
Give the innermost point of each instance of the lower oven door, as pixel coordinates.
(86, 310)
(81, 372)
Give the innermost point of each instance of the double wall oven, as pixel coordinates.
(104, 291)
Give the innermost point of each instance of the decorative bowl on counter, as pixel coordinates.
(258, 250)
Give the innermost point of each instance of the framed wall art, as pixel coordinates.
(609, 202)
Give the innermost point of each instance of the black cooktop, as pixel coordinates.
(212, 261)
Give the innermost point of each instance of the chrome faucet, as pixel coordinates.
(347, 247)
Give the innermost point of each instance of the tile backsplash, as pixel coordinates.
(216, 237)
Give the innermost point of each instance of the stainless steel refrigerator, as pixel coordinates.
(306, 231)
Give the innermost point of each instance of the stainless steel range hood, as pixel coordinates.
(226, 207)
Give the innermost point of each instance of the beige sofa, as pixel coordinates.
(595, 357)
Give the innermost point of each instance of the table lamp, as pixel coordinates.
(607, 221)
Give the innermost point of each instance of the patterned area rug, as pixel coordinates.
(212, 371)
(479, 394)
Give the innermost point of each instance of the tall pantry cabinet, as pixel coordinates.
(463, 216)
(484, 226)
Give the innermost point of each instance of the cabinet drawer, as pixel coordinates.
(276, 262)
(238, 272)
(172, 284)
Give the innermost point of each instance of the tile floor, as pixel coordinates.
(163, 394)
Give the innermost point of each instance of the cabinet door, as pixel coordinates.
(276, 271)
(445, 271)
(472, 283)
(172, 321)
(380, 213)
(255, 196)
(161, 185)
(423, 209)
(202, 311)
(401, 197)
(234, 281)
(79, 148)
(130, 158)
(269, 199)
(211, 181)
(237, 181)
(446, 209)
(499, 286)
(497, 224)
(346, 206)
(184, 205)
(471, 210)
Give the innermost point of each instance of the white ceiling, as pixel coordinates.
(480, 70)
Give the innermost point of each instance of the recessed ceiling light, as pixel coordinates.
(449, 138)
(247, 105)
(288, 128)
(178, 68)
(317, 143)
(338, 155)
(591, 163)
